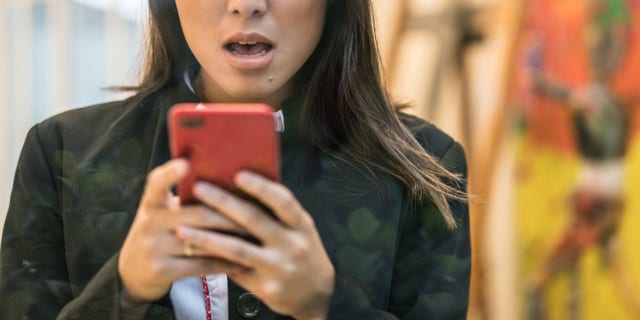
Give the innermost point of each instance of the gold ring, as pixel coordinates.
(189, 249)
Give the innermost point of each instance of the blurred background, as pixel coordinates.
(543, 94)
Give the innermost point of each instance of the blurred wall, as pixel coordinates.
(461, 87)
(56, 55)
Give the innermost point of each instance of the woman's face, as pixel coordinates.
(250, 50)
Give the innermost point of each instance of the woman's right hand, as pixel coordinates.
(152, 258)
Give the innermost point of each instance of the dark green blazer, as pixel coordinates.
(81, 175)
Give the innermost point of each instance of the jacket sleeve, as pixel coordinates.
(432, 267)
(34, 281)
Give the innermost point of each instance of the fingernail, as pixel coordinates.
(203, 187)
(182, 165)
(199, 188)
(244, 177)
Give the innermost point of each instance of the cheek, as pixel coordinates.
(196, 17)
(299, 13)
(303, 23)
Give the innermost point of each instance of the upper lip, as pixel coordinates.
(248, 38)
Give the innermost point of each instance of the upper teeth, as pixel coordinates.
(245, 43)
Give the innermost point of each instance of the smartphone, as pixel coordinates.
(220, 140)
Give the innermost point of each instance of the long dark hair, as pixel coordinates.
(348, 107)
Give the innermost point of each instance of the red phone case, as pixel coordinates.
(219, 140)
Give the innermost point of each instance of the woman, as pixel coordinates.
(370, 223)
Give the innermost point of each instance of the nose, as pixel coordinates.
(247, 8)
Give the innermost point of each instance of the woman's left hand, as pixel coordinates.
(291, 271)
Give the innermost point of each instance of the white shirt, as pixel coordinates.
(187, 296)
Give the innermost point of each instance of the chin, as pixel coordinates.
(249, 95)
(249, 88)
(252, 92)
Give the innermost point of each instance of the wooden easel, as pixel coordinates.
(481, 152)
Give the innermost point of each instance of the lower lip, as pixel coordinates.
(250, 63)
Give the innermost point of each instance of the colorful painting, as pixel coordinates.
(576, 97)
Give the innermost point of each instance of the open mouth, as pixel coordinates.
(248, 49)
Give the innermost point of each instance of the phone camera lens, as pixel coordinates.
(191, 122)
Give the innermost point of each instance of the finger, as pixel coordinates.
(160, 180)
(255, 221)
(180, 267)
(204, 218)
(231, 248)
(174, 202)
(276, 196)
(168, 245)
